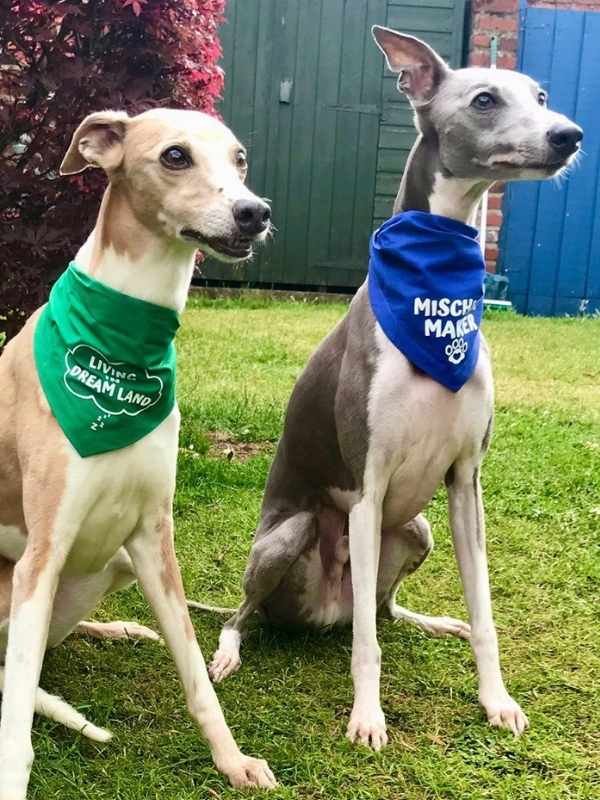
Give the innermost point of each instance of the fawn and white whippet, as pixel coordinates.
(368, 437)
(73, 528)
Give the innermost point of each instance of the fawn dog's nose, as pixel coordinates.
(251, 216)
(564, 137)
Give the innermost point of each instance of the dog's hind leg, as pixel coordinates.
(55, 708)
(117, 629)
(79, 596)
(403, 550)
(47, 705)
(119, 575)
(273, 553)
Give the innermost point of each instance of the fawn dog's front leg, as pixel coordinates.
(153, 554)
(35, 580)
(468, 532)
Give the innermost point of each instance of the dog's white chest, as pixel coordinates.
(110, 495)
(419, 428)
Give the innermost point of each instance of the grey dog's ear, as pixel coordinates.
(97, 142)
(421, 69)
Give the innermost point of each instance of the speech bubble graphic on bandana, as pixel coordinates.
(113, 386)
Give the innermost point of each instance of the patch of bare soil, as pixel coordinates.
(224, 446)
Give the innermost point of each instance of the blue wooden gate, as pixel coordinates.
(550, 245)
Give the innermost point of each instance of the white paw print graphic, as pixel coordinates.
(456, 351)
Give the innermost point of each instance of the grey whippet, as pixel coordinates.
(368, 438)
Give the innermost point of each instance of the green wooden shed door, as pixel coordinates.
(327, 134)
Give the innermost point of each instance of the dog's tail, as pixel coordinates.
(52, 707)
(211, 609)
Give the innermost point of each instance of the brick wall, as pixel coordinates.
(500, 18)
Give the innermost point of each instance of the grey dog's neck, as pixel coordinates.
(427, 186)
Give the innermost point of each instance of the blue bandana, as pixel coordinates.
(426, 278)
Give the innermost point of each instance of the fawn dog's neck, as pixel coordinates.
(131, 258)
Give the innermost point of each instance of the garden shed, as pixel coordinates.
(327, 132)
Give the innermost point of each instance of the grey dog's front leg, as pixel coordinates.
(468, 531)
(273, 553)
(367, 722)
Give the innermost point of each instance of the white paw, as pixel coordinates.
(244, 772)
(447, 626)
(95, 733)
(503, 712)
(225, 662)
(119, 630)
(131, 630)
(368, 728)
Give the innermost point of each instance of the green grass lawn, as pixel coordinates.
(291, 700)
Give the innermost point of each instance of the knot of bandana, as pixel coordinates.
(106, 363)
(426, 280)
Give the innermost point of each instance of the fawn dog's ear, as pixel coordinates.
(421, 69)
(97, 142)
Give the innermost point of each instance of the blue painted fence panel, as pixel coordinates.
(550, 248)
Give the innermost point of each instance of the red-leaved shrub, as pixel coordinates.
(58, 62)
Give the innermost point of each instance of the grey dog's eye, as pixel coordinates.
(542, 98)
(483, 101)
(175, 158)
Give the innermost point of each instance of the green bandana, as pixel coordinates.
(106, 362)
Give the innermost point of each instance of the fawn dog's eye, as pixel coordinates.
(175, 158)
(483, 101)
(240, 159)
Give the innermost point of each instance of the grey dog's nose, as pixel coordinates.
(252, 216)
(565, 137)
